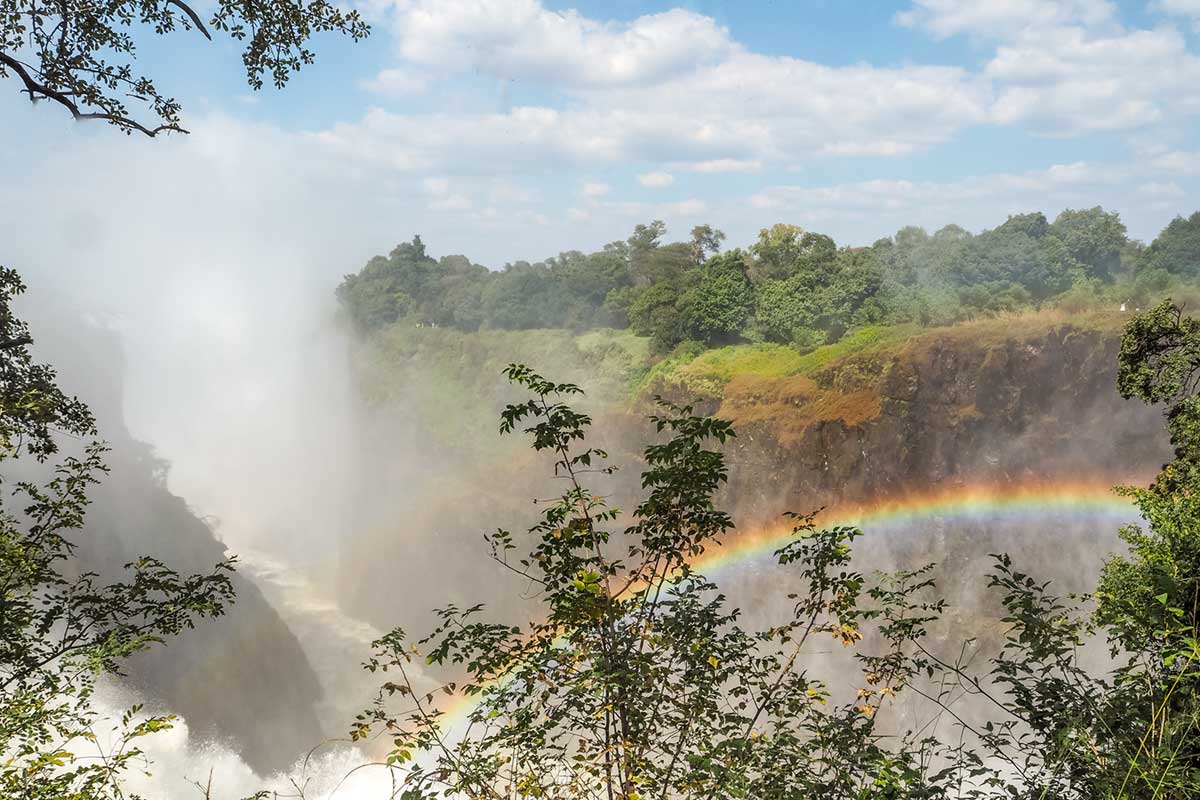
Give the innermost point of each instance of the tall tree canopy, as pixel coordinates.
(791, 286)
(81, 54)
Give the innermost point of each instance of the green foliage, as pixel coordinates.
(60, 630)
(640, 681)
(1132, 731)
(783, 250)
(718, 307)
(1176, 251)
(569, 291)
(791, 287)
(1088, 242)
(655, 313)
(706, 241)
(1150, 599)
(31, 404)
(786, 314)
(80, 55)
(820, 300)
(451, 380)
(705, 372)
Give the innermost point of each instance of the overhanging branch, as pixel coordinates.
(192, 15)
(39, 91)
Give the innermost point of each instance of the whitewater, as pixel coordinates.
(182, 766)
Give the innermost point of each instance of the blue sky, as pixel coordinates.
(513, 129)
(509, 129)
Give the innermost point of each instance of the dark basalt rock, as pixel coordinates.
(242, 678)
(957, 411)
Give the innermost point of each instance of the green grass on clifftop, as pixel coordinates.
(454, 380)
(708, 373)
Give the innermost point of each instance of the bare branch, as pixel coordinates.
(38, 91)
(192, 15)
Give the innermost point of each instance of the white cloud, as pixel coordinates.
(859, 212)
(725, 165)
(443, 198)
(398, 83)
(217, 169)
(676, 89)
(459, 176)
(1067, 67)
(505, 192)
(1066, 81)
(523, 40)
(995, 19)
(1180, 8)
(1179, 162)
(896, 199)
(656, 180)
(686, 208)
(1161, 189)
(754, 109)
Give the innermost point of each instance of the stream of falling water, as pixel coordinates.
(336, 645)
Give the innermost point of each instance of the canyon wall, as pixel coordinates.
(242, 678)
(947, 408)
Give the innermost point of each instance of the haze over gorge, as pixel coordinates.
(522, 399)
(1000, 431)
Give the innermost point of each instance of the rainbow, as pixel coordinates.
(967, 503)
(1029, 502)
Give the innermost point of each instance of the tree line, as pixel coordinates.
(790, 286)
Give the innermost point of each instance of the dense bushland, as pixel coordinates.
(790, 286)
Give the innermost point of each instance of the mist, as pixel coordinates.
(213, 259)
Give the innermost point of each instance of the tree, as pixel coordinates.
(651, 261)
(31, 404)
(1087, 241)
(784, 313)
(655, 312)
(80, 55)
(640, 681)
(706, 241)
(60, 630)
(820, 300)
(776, 251)
(386, 289)
(1132, 730)
(783, 250)
(1157, 592)
(1176, 250)
(1034, 225)
(718, 307)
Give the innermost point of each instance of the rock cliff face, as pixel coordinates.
(242, 678)
(988, 403)
(942, 410)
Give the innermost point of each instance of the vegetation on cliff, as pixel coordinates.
(791, 332)
(640, 680)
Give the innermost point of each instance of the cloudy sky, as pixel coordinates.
(508, 129)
